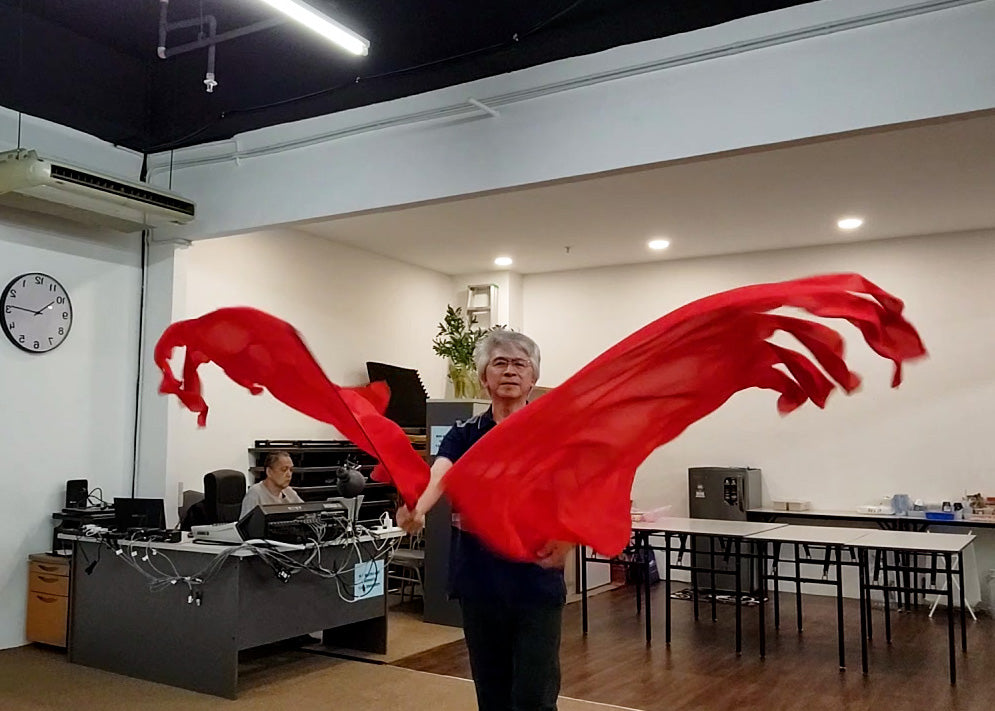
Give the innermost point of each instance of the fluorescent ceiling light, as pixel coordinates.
(503, 261)
(850, 223)
(658, 244)
(322, 24)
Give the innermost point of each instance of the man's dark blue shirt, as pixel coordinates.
(475, 572)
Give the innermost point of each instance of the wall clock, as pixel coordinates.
(36, 311)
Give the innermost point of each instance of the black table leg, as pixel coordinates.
(647, 552)
(798, 589)
(761, 547)
(887, 600)
(913, 588)
(583, 589)
(777, 585)
(666, 603)
(864, 595)
(947, 559)
(867, 598)
(963, 603)
(694, 575)
(912, 561)
(739, 599)
(711, 572)
(839, 606)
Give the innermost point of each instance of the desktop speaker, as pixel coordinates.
(77, 494)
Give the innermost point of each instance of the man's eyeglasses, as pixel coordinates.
(518, 364)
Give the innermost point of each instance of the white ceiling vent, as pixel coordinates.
(29, 182)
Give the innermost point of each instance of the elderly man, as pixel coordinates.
(511, 610)
(275, 487)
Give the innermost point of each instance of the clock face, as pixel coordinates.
(36, 312)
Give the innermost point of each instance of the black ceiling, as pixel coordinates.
(92, 64)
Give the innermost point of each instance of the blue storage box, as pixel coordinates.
(940, 515)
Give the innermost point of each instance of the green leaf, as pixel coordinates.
(457, 337)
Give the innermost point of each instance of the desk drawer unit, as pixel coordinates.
(48, 600)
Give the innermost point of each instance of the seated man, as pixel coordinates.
(275, 487)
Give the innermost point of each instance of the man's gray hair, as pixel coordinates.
(497, 338)
(273, 458)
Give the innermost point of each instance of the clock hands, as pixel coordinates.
(36, 313)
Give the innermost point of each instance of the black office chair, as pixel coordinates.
(224, 490)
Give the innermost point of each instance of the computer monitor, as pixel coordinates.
(139, 513)
(407, 394)
(296, 523)
(347, 507)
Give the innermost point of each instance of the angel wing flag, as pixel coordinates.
(562, 468)
(259, 351)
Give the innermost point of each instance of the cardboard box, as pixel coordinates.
(792, 505)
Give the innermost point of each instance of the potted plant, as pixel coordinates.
(455, 341)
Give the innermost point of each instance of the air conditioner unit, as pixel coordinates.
(29, 182)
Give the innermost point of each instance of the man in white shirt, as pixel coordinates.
(275, 488)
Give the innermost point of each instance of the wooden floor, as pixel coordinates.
(700, 669)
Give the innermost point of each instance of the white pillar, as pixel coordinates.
(153, 423)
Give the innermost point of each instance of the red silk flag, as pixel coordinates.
(561, 469)
(259, 351)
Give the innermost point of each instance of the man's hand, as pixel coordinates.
(554, 554)
(411, 521)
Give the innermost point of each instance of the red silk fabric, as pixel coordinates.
(259, 351)
(562, 468)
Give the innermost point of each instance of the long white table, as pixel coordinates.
(735, 532)
(889, 522)
(950, 546)
(834, 540)
(758, 535)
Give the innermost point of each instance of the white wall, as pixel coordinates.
(67, 414)
(930, 438)
(350, 306)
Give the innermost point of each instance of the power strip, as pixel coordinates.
(383, 530)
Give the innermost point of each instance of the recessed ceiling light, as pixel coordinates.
(850, 223)
(658, 244)
(503, 261)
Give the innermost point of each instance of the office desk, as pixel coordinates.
(117, 624)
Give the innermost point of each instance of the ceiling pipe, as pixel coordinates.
(218, 39)
(198, 22)
(483, 107)
(165, 27)
(210, 42)
(163, 10)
